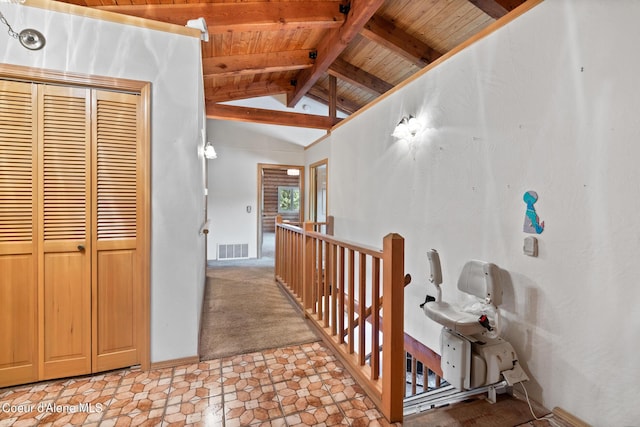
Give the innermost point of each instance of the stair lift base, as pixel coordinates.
(448, 395)
(468, 363)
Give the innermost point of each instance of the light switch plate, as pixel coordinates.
(530, 246)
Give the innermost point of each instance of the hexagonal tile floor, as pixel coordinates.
(294, 386)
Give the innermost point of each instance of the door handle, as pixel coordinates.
(81, 248)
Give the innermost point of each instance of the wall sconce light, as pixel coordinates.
(209, 151)
(407, 128)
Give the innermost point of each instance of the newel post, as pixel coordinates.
(307, 267)
(330, 225)
(393, 357)
(278, 262)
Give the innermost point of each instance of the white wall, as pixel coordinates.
(172, 64)
(548, 103)
(233, 181)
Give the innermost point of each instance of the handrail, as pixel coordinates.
(340, 286)
(368, 250)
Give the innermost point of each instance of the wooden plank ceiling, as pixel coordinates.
(343, 53)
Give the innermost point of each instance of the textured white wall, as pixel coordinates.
(172, 64)
(233, 181)
(548, 103)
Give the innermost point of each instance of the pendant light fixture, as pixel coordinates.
(29, 38)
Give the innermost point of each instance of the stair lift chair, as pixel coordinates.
(472, 353)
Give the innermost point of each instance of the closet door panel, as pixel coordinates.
(18, 333)
(65, 300)
(18, 284)
(65, 261)
(116, 310)
(118, 189)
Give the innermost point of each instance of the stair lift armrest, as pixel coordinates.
(438, 293)
(435, 276)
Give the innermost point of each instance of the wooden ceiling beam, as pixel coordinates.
(358, 77)
(270, 117)
(232, 92)
(253, 16)
(333, 96)
(321, 95)
(385, 33)
(333, 44)
(496, 8)
(256, 63)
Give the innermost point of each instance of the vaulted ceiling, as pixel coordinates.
(343, 53)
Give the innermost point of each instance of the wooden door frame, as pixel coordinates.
(313, 190)
(261, 168)
(37, 75)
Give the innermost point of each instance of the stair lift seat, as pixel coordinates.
(472, 355)
(477, 278)
(450, 317)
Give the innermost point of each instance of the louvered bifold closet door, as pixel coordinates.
(18, 284)
(65, 261)
(117, 230)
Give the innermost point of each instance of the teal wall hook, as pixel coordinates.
(531, 220)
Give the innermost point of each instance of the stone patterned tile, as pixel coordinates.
(320, 357)
(294, 386)
(302, 395)
(136, 375)
(362, 412)
(77, 409)
(280, 422)
(32, 394)
(289, 364)
(242, 359)
(252, 405)
(91, 384)
(142, 419)
(21, 423)
(323, 416)
(208, 411)
(342, 389)
(19, 410)
(334, 367)
(133, 398)
(244, 375)
(194, 381)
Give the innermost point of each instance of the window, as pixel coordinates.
(288, 199)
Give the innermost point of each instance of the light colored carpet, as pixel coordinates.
(245, 311)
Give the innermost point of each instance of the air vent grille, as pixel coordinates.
(233, 251)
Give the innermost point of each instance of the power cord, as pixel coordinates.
(553, 423)
(528, 401)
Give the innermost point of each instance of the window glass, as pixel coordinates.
(288, 199)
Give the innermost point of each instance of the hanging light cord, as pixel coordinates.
(10, 31)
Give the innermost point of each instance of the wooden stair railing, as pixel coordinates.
(418, 352)
(368, 310)
(326, 276)
(429, 359)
